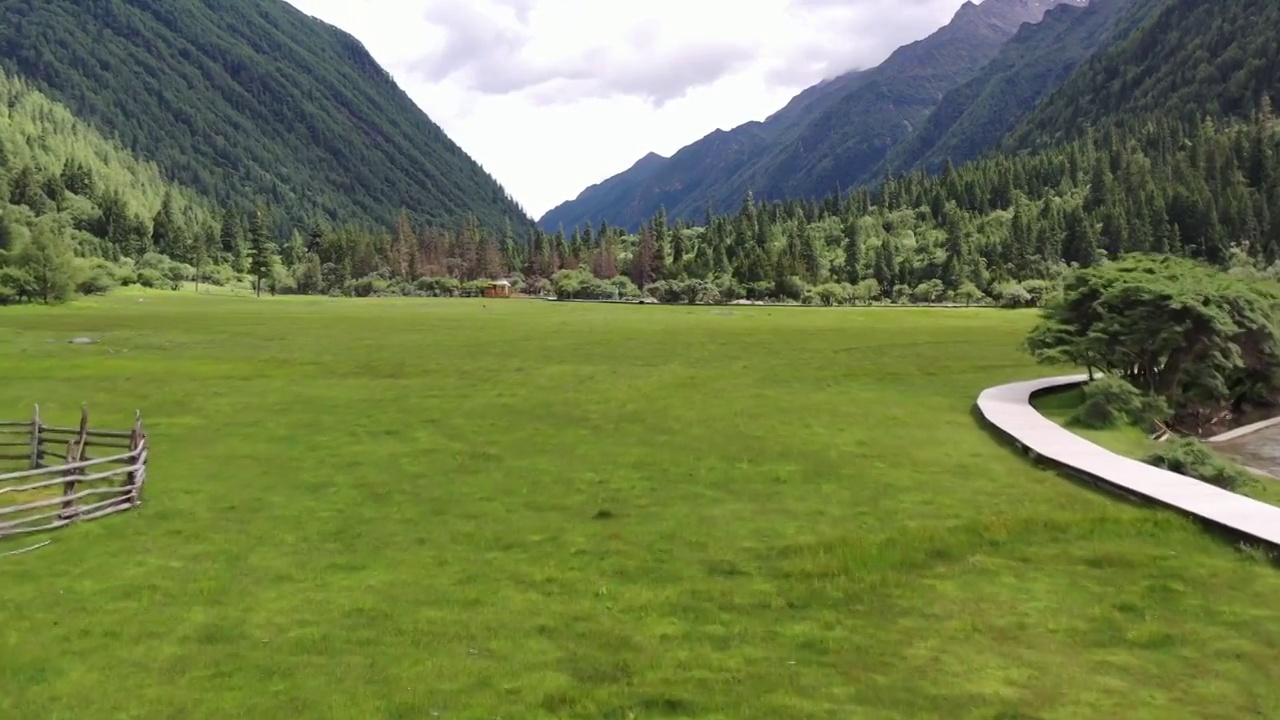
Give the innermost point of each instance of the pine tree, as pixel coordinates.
(510, 251)
(642, 262)
(404, 248)
(661, 241)
(162, 228)
(852, 251)
(201, 244)
(231, 247)
(1080, 244)
(261, 249)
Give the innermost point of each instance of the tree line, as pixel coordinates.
(1003, 229)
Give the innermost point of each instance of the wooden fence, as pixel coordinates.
(59, 482)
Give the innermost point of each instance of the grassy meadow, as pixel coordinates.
(514, 509)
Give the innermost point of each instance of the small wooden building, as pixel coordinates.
(498, 289)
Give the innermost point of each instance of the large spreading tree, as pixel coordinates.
(1204, 340)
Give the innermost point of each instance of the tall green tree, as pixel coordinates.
(49, 259)
(262, 253)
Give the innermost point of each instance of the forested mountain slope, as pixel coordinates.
(843, 145)
(832, 135)
(1189, 58)
(250, 100)
(977, 116)
(59, 176)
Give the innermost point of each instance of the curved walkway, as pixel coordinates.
(1008, 408)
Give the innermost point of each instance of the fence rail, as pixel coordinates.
(59, 483)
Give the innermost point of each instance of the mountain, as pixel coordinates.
(244, 100)
(976, 116)
(1187, 58)
(832, 135)
(699, 169)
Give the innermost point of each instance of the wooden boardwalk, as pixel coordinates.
(1008, 408)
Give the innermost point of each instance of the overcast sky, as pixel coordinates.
(551, 96)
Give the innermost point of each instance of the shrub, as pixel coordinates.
(368, 286)
(95, 279)
(625, 287)
(790, 288)
(125, 272)
(151, 278)
(438, 286)
(1152, 411)
(1013, 295)
(729, 288)
(1188, 456)
(219, 275)
(1108, 402)
(832, 294)
(15, 285)
(474, 288)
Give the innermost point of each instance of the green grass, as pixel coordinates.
(1129, 440)
(467, 509)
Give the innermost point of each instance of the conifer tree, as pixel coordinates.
(261, 249)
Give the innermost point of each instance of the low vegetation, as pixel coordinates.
(1110, 402)
(401, 508)
(1189, 456)
(1181, 454)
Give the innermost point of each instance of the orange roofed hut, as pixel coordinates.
(498, 289)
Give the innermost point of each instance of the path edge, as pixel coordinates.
(1007, 410)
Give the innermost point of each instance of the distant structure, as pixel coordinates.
(498, 289)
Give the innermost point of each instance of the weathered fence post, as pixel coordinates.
(35, 438)
(134, 478)
(75, 454)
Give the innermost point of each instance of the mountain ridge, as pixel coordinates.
(804, 149)
(1224, 68)
(320, 128)
(976, 116)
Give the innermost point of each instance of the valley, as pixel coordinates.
(392, 472)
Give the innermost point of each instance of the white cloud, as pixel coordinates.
(551, 96)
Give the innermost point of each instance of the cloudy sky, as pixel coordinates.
(551, 96)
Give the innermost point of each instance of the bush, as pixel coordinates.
(437, 286)
(625, 287)
(95, 278)
(1188, 456)
(15, 285)
(579, 284)
(1108, 402)
(151, 278)
(474, 288)
(1042, 292)
(125, 272)
(1152, 412)
(729, 289)
(833, 294)
(790, 288)
(368, 286)
(220, 275)
(1013, 295)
